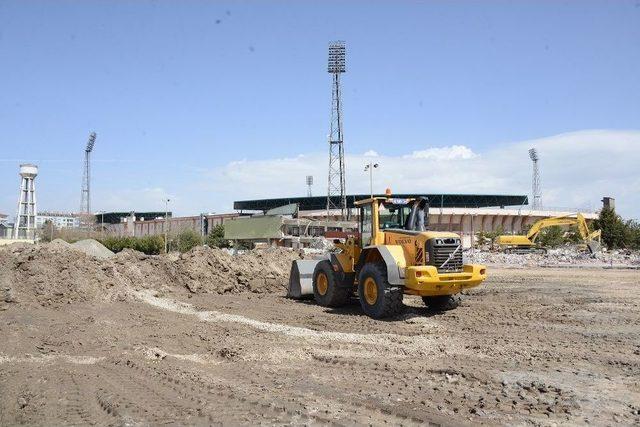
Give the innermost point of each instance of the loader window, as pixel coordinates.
(365, 225)
(392, 216)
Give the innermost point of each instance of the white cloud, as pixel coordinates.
(443, 153)
(577, 169)
(371, 153)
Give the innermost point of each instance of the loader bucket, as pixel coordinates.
(301, 278)
(593, 246)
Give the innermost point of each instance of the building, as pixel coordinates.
(284, 230)
(465, 214)
(58, 219)
(138, 224)
(303, 221)
(6, 229)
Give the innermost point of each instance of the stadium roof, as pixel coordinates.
(436, 200)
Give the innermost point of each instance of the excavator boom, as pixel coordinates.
(592, 239)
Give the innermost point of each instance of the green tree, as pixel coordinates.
(632, 234)
(216, 239)
(187, 240)
(612, 227)
(573, 235)
(551, 237)
(150, 245)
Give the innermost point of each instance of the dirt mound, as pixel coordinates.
(59, 243)
(93, 248)
(58, 274)
(214, 270)
(54, 275)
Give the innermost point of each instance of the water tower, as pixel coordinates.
(25, 225)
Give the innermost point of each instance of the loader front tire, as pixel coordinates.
(443, 302)
(326, 291)
(377, 297)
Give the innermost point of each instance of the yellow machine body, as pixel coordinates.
(591, 238)
(406, 257)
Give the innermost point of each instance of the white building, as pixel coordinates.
(59, 219)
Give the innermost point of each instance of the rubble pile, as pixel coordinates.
(561, 257)
(56, 274)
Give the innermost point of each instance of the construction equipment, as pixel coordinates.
(526, 243)
(392, 255)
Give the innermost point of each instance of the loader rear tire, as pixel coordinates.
(442, 303)
(377, 297)
(326, 291)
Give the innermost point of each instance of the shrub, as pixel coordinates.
(551, 237)
(186, 240)
(216, 239)
(150, 245)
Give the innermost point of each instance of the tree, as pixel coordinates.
(551, 237)
(612, 227)
(187, 240)
(216, 239)
(632, 234)
(573, 235)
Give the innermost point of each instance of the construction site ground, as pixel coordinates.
(537, 346)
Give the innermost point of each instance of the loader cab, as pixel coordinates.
(385, 213)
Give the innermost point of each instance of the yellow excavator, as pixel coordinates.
(526, 243)
(393, 254)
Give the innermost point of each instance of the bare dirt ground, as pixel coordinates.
(540, 347)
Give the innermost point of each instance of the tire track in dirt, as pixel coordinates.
(130, 396)
(226, 396)
(419, 345)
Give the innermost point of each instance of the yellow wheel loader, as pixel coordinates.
(393, 254)
(526, 243)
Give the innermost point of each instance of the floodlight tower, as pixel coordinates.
(25, 225)
(336, 194)
(535, 181)
(85, 195)
(309, 185)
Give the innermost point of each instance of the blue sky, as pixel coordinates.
(177, 90)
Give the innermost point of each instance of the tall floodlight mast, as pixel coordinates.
(309, 185)
(336, 194)
(535, 180)
(85, 195)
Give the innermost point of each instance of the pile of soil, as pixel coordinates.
(93, 248)
(56, 274)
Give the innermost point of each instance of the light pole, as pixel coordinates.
(166, 225)
(370, 167)
(101, 224)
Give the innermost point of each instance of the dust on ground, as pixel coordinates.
(208, 337)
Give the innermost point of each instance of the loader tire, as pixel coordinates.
(442, 303)
(326, 291)
(377, 297)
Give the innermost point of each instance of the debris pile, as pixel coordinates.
(57, 273)
(561, 257)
